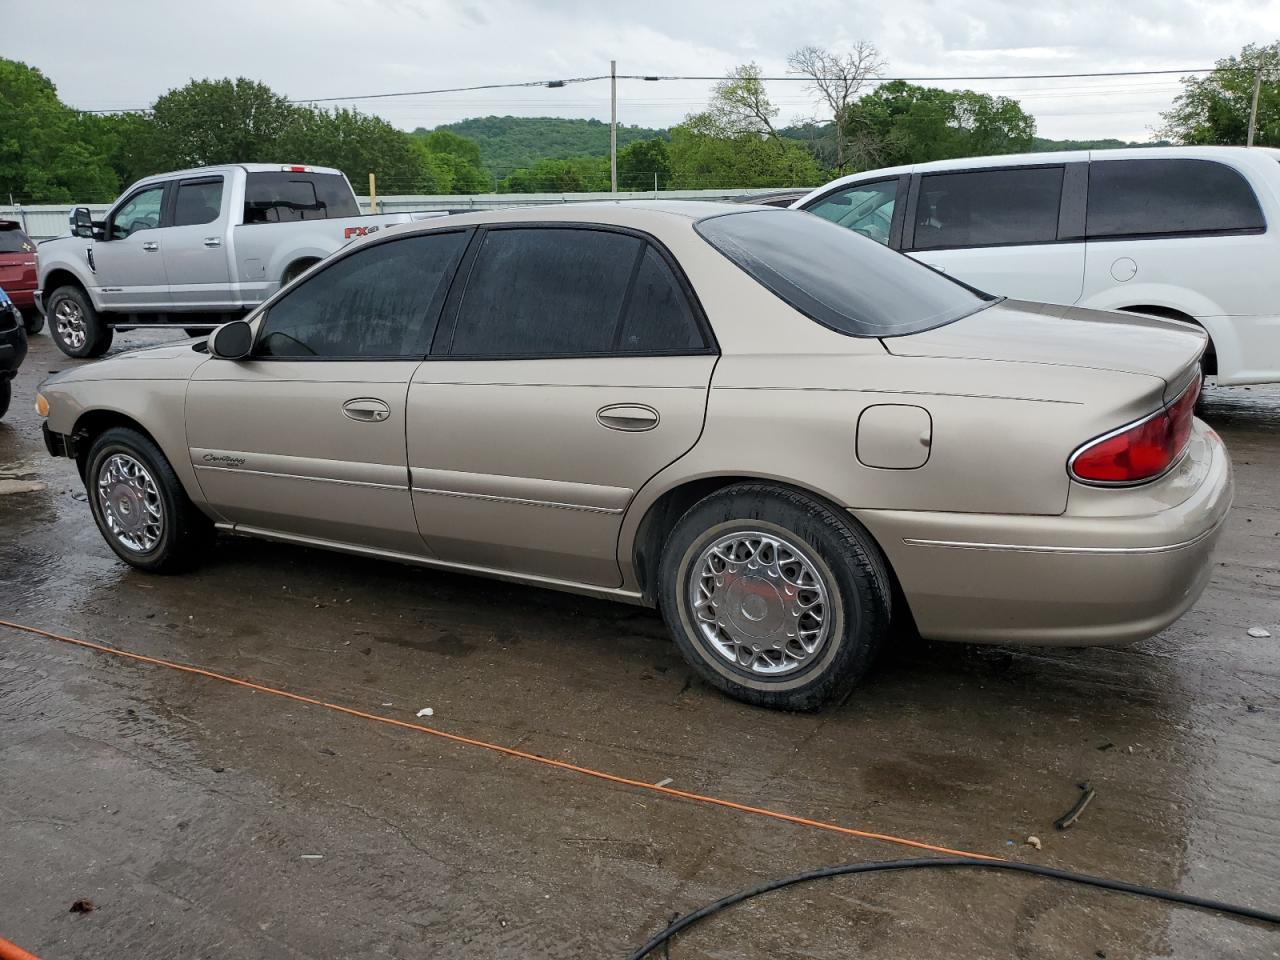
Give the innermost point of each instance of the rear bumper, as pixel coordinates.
(1094, 577)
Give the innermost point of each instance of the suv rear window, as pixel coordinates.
(271, 197)
(1144, 197)
(844, 281)
(13, 240)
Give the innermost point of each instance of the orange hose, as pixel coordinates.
(11, 951)
(507, 751)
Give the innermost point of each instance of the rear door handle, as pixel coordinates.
(213, 241)
(366, 410)
(150, 246)
(628, 417)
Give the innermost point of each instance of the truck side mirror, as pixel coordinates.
(231, 341)
(82, 223)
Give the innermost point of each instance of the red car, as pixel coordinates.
(18, 272)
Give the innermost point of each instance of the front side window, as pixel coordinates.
(381, 302)
(1153, 197)
(866, 208)
(139, 212)
(836, 277)
(198, 201)
(988, 208)
(271, 197)
(548, 292)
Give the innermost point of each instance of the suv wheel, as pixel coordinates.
(76, 327)
(774, 597)
(140, 507)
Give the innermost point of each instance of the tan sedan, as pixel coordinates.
(781, 434)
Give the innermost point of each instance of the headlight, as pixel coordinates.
(42, 405)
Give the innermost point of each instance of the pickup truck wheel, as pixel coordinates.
(140, 507)
(6, 394)
(76, 327)
(295, 270)
(33, 320)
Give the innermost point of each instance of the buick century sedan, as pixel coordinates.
(781, 434)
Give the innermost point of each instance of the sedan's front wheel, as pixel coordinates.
(139, 505)
(774, 597)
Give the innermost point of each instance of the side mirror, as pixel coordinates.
(82, 223)
(231, 341)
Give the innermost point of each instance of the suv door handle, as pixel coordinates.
(151, 246)
(366, 410)
(628, 417)
(213, 241)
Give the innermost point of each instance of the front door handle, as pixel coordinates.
(213, 241)
(366, 410)
(628, 417)
(151, 246)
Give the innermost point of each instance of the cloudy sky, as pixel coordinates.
(123, 53)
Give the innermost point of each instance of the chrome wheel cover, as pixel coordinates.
(760, 601)
(69, 320)
(130, 503)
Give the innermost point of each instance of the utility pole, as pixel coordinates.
(1253, 112)
(613, 125)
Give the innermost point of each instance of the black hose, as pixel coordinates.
(875, 866)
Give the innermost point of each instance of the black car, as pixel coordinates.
(13, 348)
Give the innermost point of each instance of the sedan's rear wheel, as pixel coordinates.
(774, 597)
(139, 505)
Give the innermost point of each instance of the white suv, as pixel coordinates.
(1178, 232)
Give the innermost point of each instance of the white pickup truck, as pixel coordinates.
(194, 248)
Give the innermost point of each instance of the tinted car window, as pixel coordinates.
(658, 318)
(271, 197)
(988, 208)
(140, 212)
(545, 292)
(1135, 197)
(866, 208)
(381, 301)
(198, 202)
(13, 240)
(836, 277)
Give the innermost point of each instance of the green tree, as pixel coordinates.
(457, 157)
(702, 161)
(644, 165)
(220, 121)
(49, 153)
(739, 105)
(572, 175)
(358, 144)
(1214, 109)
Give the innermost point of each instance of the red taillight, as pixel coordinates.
(1140, 451)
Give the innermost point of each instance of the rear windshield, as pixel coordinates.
(834, 276)
(283, 197)
(13, 240)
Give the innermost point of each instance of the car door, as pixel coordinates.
(573, 366)
(195, 259)
(129, 261)
(306, 437)
(1015, 232)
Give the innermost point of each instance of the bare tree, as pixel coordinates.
(838, 78)
(740, 105)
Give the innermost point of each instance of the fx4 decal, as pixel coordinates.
(350, 232)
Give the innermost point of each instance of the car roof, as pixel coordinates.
(1236, 154)
(614, 212)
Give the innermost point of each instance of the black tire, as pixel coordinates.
(33, 320)
(185, 534)
(97, 335)
(843, 557)
(6, 394)
(295, 270)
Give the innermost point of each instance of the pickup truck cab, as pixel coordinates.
(194, 248)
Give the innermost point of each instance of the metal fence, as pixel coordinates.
(44, 221)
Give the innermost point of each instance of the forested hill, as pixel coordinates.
(510, 142)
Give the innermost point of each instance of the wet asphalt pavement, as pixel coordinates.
(206, 820)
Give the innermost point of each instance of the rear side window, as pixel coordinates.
(988, 208)
(1154, 197)
(271, 197)
(866, 208)
(13, 240)
(841, 280)
(380, 302)
(548, 292)
(198, 201)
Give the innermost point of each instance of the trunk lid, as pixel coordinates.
(1025, 332)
